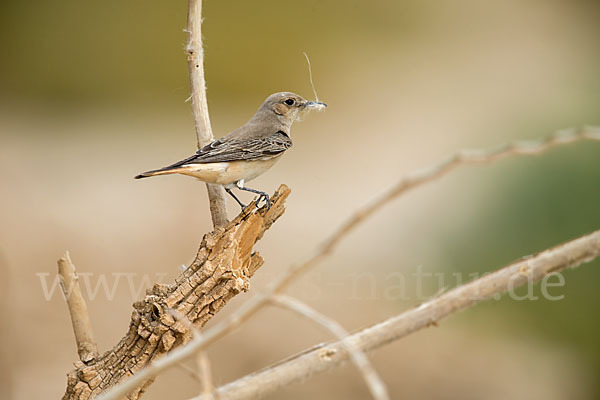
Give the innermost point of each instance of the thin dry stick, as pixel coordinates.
(360, 360)
(328, 356)
(80, 318)
(254, 304)
(204, 134)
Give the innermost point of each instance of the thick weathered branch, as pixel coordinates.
(156, 367)
(204, 135)
(325, 357)
(80, 318)
(222, 269)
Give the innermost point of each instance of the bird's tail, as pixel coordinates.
(155, 172)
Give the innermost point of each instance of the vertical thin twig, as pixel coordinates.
(204, 135)
(80, 318)
(205, 374)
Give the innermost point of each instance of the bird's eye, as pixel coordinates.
(289, 102)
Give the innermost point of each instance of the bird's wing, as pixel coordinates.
(237, 149)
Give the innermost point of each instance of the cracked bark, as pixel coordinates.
(222, 268)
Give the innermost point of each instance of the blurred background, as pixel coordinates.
(92, 93)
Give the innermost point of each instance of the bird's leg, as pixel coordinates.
(262, 195)
(235, 197)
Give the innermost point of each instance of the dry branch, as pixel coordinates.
(204, 135)
(222, 268)
(358, 357)
(80, 318)
(325, 357)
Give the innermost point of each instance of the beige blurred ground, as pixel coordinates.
(462, 74)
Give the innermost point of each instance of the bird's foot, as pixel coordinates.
(266, 198)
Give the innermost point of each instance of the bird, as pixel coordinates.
(248, 151)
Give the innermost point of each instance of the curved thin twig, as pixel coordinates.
(358, 357)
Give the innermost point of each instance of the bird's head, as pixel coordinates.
(288, 107)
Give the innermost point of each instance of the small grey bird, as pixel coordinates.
(248, 151)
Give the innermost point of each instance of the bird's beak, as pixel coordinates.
(315, 104)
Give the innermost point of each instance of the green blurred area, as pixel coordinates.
(94, 51)
(407, 82)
